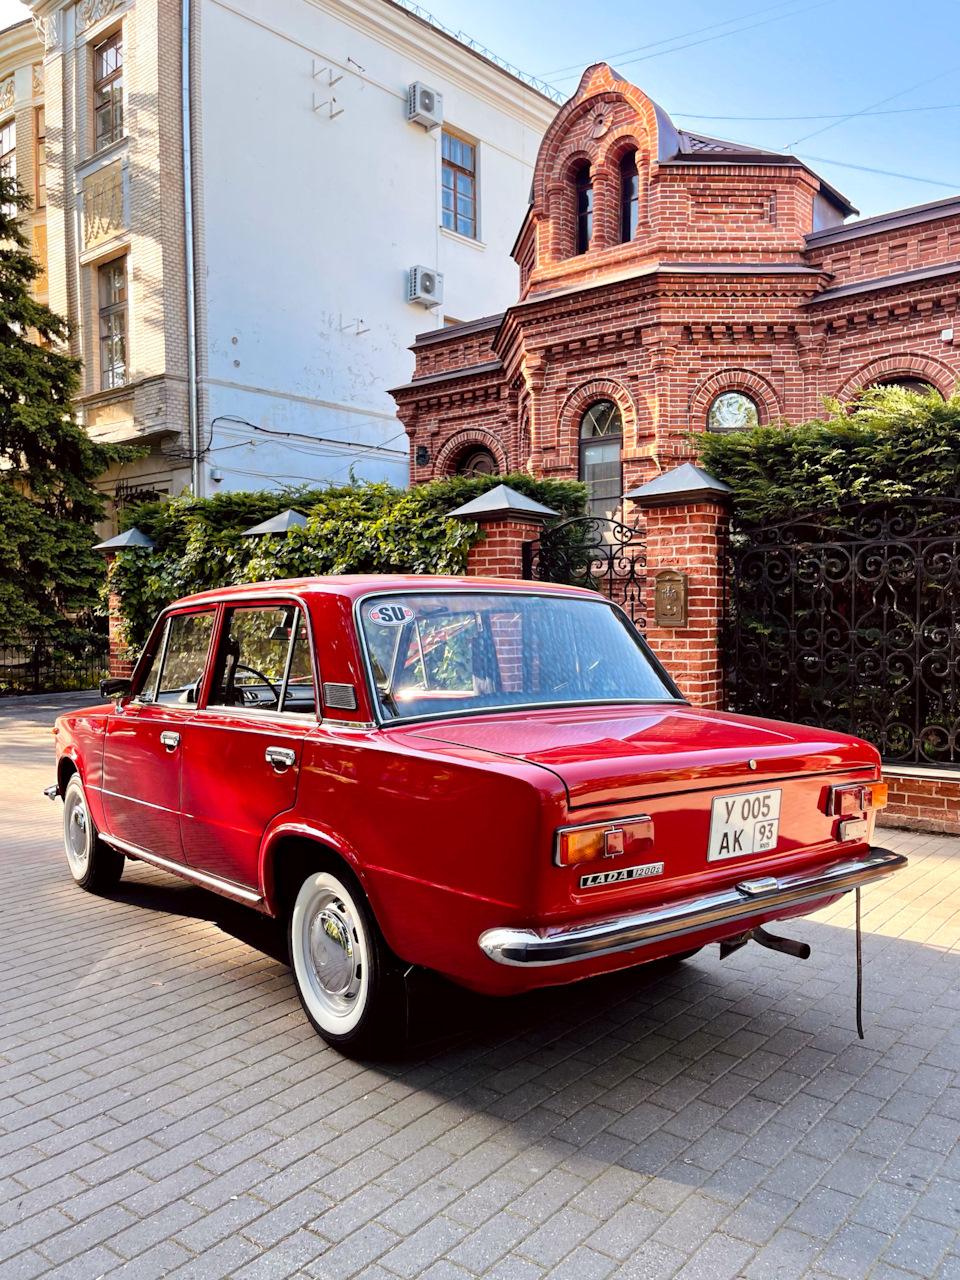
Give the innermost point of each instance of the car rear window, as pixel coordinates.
(450, 653)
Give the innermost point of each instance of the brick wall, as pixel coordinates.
(928, 803)
(500, 553)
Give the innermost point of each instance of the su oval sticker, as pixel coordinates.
(390, 615)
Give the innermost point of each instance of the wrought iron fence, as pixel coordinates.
(850, 620)
(595, 552)
(54, 668)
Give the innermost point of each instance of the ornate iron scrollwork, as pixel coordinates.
(850, 620)
(594, 552)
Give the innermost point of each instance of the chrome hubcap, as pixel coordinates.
(76, 836)
(331, 950)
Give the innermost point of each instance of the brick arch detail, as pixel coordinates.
(597, 85)
(751, 384)
(568, 419)
(904, 364)
(469, 438)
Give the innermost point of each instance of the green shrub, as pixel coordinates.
(898, 444)
(357, 528)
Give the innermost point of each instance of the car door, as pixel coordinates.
(142, 745)
(242, 750)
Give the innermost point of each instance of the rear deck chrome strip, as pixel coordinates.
(749, 900)
(227, 887)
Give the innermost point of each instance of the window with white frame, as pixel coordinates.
(459, 185)
(108, 91)
(112, 286)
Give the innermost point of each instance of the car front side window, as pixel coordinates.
(176, 677)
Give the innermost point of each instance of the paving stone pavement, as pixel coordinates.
(165, 1110)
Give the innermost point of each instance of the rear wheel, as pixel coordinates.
(94, 866)
(349, 981)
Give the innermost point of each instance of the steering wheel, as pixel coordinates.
(242, 666)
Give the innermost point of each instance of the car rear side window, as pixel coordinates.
(263, 662)
(177, 668)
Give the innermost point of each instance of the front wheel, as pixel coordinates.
(94, 866)
(349, 981)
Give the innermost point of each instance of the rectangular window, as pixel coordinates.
(459, 185)
(177, 666)
(41, 158)
(8, 149)
(263, 663)
(108, 91)
(112, 283)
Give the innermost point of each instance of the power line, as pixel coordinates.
(870, 106)
(897, 111)
(887, 173)
(655, 44)
(721, 35)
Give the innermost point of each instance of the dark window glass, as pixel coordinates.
(41, 159)
(448, 653)
(108, 92)
(478, 462)
(733, 411)
(459, 185)
(112, 285)
(584, 209)
(629, 197)
(263, 661)
(918, 386)
(178, 668)
(601, 438)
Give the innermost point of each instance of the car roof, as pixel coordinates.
(353, 585)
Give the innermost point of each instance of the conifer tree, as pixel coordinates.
(49, 575)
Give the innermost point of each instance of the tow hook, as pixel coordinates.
(52, 792)
(775, 943)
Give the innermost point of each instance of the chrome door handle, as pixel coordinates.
(170, 739)
(280, 757)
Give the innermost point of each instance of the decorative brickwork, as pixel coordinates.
(500, 553)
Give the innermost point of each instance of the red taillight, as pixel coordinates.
(604, 840)
(856, 797)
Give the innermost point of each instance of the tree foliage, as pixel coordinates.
(354, 528)
(896, 444)
(48, 503)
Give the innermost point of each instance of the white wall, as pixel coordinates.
(310, 224)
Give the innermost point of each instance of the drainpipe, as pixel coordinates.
(191, 289)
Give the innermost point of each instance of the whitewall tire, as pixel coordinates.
(348, 979)
(93, 865)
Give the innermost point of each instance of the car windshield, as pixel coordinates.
(452, 653)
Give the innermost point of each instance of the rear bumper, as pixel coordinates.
(747, 900)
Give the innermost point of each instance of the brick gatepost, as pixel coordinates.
(687, 516)
(121, 663)
(508, 520)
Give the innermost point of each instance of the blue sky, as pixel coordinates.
(800, 58)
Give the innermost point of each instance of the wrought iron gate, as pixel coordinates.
(595, 552)
(850, 620)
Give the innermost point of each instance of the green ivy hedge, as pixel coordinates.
(356, 528)
(898, 444)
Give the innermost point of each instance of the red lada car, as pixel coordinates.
(493, 779)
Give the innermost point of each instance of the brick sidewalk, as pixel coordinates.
(165, 1110)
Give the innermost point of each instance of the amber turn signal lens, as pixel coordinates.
(604, 840)
(855, 798)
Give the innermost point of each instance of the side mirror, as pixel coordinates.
(116, 686)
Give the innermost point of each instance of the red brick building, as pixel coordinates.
(672, 282)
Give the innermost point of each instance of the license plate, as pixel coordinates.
(744, 824)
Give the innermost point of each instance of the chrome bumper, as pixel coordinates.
(636, 929)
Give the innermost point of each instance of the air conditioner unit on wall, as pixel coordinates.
(425, 287)
(424, 106)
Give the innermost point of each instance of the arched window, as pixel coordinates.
(919, 386)
(629, 197)
(601, 437)
(478, 462)
(584, 185)
(733, 411)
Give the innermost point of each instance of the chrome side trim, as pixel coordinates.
(637, 929)
(204, 878)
